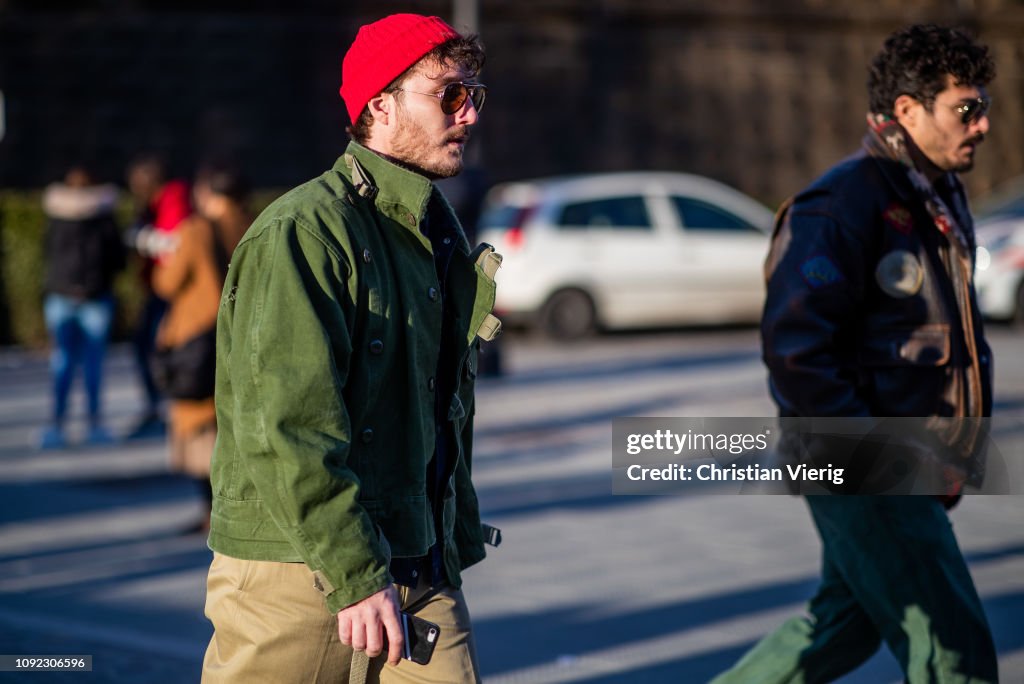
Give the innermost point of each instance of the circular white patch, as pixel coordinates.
(899, 274)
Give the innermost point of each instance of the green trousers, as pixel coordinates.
(892, 572)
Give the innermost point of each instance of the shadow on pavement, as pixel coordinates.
(629, 368)
(507, 645)
(25, 502)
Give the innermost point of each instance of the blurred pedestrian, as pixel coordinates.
(162, 204)
(871, 311)
(190, 278)
(348, 336)
(84, 253)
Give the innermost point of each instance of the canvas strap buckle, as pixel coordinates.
(492, 535)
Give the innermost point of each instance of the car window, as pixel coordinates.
(502, 216)
(612, 212)
(697, 214)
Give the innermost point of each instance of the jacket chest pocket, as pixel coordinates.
(905, 372)
(927, 345)
(375, 337)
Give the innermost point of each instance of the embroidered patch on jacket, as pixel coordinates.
(898, 217)
(819, 271)
(899, 274)
(943, 224)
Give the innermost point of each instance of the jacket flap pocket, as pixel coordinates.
(924, 346)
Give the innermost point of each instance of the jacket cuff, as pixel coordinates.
(339, 598)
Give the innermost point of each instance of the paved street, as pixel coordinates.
(586, 587)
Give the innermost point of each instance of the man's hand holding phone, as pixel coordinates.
(363, 625)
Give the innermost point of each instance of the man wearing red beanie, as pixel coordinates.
(347, 340)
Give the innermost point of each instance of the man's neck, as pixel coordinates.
(922, 163)
(399, 162)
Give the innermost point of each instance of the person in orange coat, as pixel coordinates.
(163, 204)
(191, 278)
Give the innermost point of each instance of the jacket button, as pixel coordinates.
(431, 384)
(367, 257)
(411, 219)
(376, 347)
(432, 294)
(366, 435)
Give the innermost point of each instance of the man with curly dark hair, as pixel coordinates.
(871, 312)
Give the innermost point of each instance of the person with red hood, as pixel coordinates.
(163, 204)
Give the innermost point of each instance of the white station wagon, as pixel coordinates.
(625, 250)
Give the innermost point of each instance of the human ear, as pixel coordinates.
(905, 110)
(380, 108)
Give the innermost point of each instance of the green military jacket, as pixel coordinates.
(327, 343)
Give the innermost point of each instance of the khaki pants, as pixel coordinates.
(271, 625)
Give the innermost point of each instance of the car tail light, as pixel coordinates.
(1014, 256)
(514, 236)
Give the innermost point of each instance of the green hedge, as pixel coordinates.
(23, 268)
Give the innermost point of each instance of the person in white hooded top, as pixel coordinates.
(84, 253)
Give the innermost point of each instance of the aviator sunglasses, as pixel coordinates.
(972, 110)
(454, 95)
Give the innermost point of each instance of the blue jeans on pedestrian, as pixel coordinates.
(79, 329)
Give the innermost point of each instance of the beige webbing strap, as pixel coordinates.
(490, 328)
(360, 668)
(489, 261)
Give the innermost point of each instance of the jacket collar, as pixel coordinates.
(398, 192)
(896, 177)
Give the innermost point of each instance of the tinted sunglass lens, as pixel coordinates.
(479, 94)
(453, 98)
(983, 106)
(973, 111)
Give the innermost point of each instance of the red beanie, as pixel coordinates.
(382, 51)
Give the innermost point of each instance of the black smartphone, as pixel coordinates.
(420, 638)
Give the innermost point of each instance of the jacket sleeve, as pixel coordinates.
(289, 364)
(815, 291)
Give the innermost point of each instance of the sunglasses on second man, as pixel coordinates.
(972, 110)
(454, 96)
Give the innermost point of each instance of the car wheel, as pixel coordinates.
(568, 315)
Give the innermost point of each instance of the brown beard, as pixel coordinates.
(408, 153)
(968, 165)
